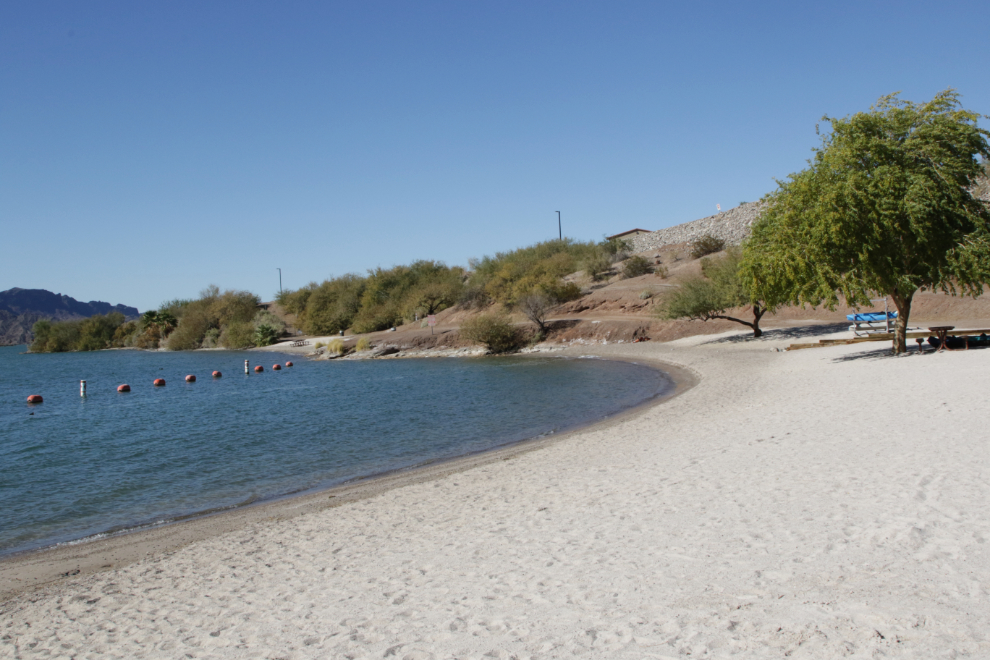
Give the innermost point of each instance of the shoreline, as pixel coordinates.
(787, 505)
(27, 570)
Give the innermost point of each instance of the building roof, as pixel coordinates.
(631, 231)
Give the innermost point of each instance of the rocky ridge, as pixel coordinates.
(732, 226)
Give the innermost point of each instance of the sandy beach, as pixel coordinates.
(810, 504)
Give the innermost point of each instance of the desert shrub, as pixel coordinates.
(646, 294)
(126, 334)
(636, 266)
(42, 330)
(213, 310)
(295, 302)
(265, 335)
(537, 307)
(598, 266)
(318, 345)
(706, 245)
(90, 334)
(331, 306)
(616, 248)
(493, 330)
(474, 296)
(661, 271)
(267, 328)
(509, 276)
(399, 293)
(335, 346)
(148, 337)
(192, 328)
(237, 334)
(434, 287)
(564, 291)
(55, 337)
(363, 344)
(212, 338)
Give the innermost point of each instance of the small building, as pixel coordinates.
(629, 234)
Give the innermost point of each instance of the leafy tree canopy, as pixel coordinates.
(884, 206)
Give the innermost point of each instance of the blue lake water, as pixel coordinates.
(74, 467)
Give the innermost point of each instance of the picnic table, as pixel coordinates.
(871, 322)
(300, 342)
(941, 332)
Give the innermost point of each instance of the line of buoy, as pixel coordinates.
(160, 382)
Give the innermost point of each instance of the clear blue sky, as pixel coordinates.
(148, 149)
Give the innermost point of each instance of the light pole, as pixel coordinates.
(279, 279)
(560, 233)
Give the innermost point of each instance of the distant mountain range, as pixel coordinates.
(22, 308)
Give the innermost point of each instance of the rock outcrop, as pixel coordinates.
(731, 226)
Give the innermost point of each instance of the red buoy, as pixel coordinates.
(259, 368)
(288, 364)
(276, 367)
(190, 378)
(159, 382)
(35, 398)
(123, 388)
(217, 374)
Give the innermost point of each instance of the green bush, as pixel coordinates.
(212, 338)
(493, 330)
(399, 293)
(615, 248)
(267, 328)
(190, 332)
(706, 245)
(237, 334)
(636, 266)
(510, 276)
(203, 321)
(265, 335)
(330, 307)
(598, 266)
(95, 333)
(560, 292)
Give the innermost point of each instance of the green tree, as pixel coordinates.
(885, 206)
(711, 295)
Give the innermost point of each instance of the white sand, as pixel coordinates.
(814, 503)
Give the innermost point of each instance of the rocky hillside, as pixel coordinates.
(21, 308)
(732, 226)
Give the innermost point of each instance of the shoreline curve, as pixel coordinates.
(25, 571)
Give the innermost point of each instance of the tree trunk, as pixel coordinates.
(758, 313)
(903, 304)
